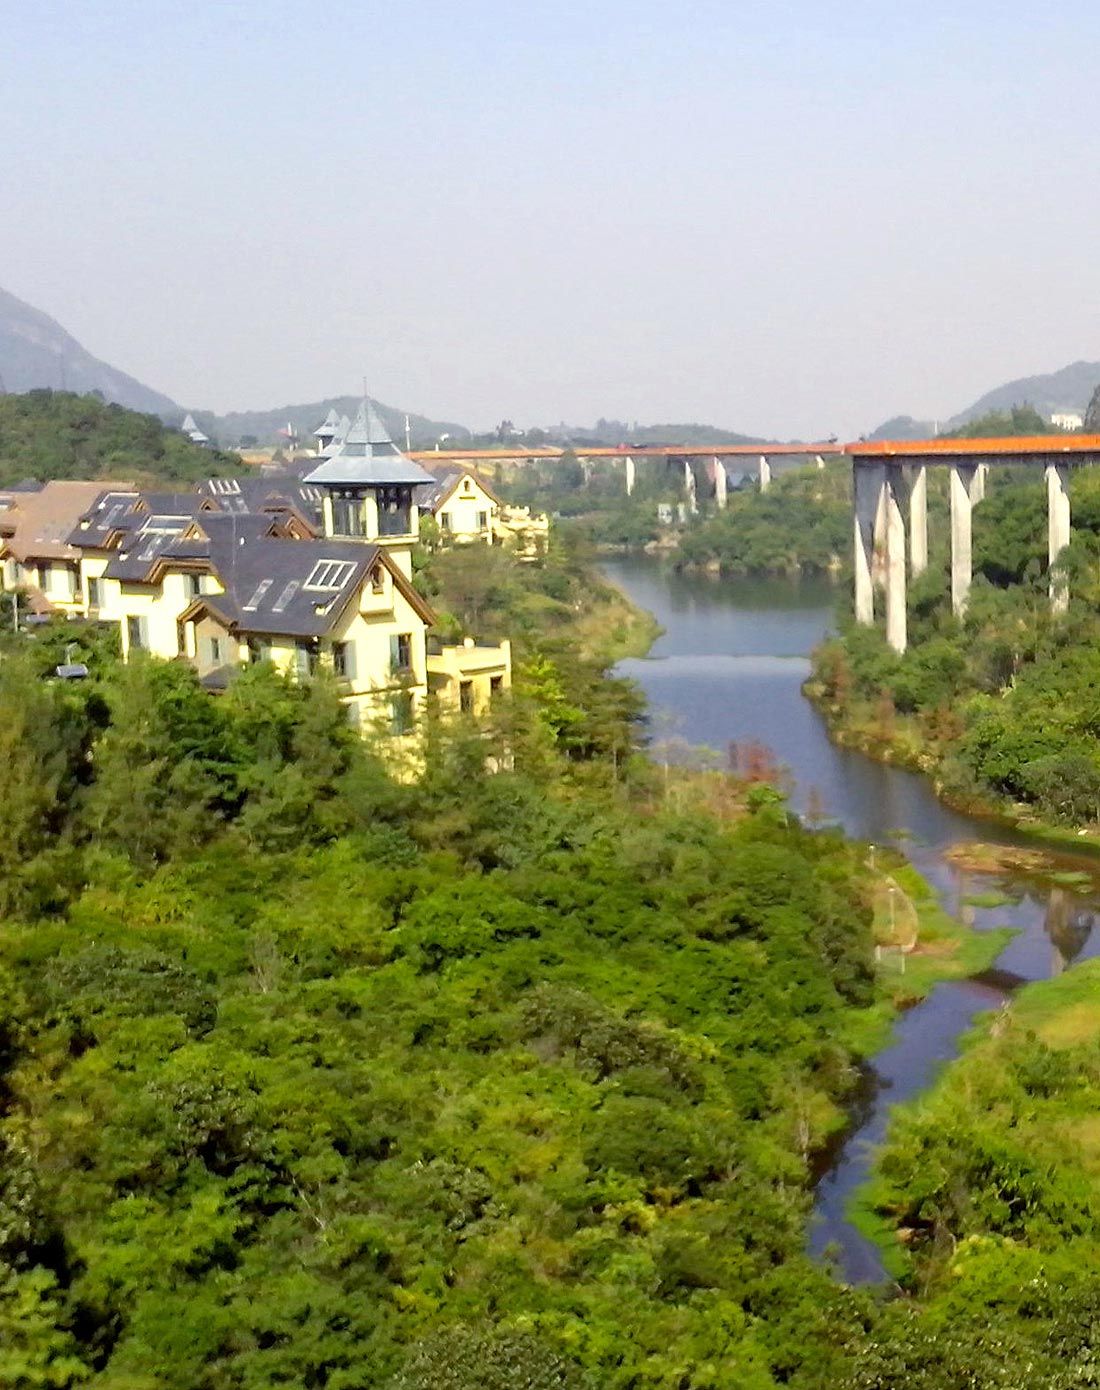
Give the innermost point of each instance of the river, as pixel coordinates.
(729, 670)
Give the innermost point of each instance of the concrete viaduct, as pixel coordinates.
(890, 511)
(889, 499)
(628, 454)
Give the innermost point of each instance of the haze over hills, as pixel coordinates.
(1067, 390)
(36, 351)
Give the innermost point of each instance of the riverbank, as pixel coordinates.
(729, 670)
(1015, 1114)
(610, 628)
(876, 730)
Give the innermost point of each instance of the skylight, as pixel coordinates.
(330, 574)
(261, 589)
(284, 598)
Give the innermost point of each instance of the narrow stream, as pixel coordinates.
(729, 669)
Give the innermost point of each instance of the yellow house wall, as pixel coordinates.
(161, 605)
(451, 668)
(462, 508)
(368, 627)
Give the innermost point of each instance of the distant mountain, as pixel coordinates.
(904, 427)
(619, 432)
(264, 426)
(35, 351)
(1066, 390)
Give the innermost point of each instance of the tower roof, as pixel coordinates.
(329, 427)
(366, 456)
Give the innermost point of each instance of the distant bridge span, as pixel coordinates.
(618, 451)
(890, 511)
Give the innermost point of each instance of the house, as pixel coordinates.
(463, 504)
(466, 508)
(36, 549)
(1067, 420)
(308, 573)
(310, 604)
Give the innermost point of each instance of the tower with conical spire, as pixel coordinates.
(368, 488)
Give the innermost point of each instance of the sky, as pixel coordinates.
(793, 218)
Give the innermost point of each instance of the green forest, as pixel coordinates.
(312, 1077)
(801, 523)
(58, 434)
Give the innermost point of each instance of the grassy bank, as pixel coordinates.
(1005, 1149)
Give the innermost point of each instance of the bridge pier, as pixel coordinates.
(765, 473)
(721, 483)
(963, 486)
(689, 487)
(629, 476)
(868, 481)
(896, 620)
(1058, 530)
(918, 520)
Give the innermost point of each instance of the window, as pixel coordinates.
(348, 514)
(215, 649)
(95, 593)
(377, 580)
(194, 584)
(483, 521)
(64, 585)
(445, 522)
(305, 659)
(401, 713)
(343, 660)
(496, 686)
(284, 598)
(137, 633)
(466, 697)
(400, 653)
(261, 589)
(330, 574)
(394, 511)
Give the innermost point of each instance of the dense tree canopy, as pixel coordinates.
(56, 434)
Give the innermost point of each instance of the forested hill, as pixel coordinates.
(35, 351)
(57, 434)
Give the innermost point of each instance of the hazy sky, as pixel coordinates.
(793, 217)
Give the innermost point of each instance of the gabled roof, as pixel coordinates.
(366, 457)
(444, 481)
(209, 541)
(267, 493)
(277, 587)
(38, 525)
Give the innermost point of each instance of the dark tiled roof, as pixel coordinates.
(285, 587)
